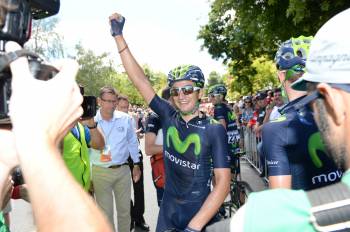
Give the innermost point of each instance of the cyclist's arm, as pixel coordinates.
(284, 181)
(153, 126)
(276, 156)
(219, 115)
(132, 68)
(214, 200)
(150, 147)
(222, 121)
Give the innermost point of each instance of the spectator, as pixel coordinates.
(110, 170)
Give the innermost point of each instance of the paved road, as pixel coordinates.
(22, 217)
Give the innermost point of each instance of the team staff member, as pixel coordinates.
(110, 170)
(294, 151)
(328, 84)
(192, 146)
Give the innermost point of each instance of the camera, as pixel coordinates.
(89, 105)
(15, 26)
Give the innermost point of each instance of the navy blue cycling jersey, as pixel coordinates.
(222, 111)
(293, 146)
(153, 123)
(191, 150)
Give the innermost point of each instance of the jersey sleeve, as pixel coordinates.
(153, 124)
(219, 113)
(274, 137)
(220, 154)
(161, 107)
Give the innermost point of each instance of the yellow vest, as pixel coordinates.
(76, 157)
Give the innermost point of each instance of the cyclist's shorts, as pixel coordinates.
(175, 214)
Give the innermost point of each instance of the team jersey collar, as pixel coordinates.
(290, 105)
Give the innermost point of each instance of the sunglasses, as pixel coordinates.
(214, 94)
(186, 90)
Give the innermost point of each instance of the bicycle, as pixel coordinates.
(239, 190)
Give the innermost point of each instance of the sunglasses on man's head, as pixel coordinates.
(186, 90)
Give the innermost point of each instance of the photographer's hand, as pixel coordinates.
(42, 112)
(8, 160)
(45, 109)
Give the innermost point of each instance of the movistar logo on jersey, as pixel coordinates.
(182, 146)
(315, 144)
(231, 116)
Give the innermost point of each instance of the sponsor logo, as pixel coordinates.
(180, 162)
(182, 146)
(315, 144)
(272, 162)
(325, 178)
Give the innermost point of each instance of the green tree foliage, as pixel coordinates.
(261, 74)
(241, 31)
(45, 40)
(97, 71)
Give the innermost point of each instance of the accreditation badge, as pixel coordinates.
(106, 155)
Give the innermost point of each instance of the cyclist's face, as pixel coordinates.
(215, 98)
(183, 102)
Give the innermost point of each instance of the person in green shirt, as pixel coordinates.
(327, 80)
(75, 153)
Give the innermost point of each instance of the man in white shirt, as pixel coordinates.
(110, 170)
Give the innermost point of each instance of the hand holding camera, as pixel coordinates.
(56, 103)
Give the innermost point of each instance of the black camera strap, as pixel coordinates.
(330, 209)
(7, 58)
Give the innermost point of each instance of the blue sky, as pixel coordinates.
(160, 33)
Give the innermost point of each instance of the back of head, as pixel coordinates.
(293, 52)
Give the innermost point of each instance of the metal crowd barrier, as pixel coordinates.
(250, 143)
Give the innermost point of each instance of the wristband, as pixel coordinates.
(189, 229)
(123, 49)
(92, 127)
